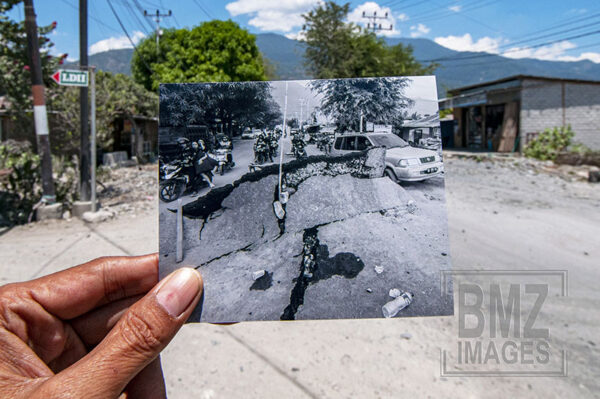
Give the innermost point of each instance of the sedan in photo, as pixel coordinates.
(402, 162)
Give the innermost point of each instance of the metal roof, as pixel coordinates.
(521, 77)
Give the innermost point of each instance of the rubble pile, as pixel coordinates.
(128, 190)
(531, 166)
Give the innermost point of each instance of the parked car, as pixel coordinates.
(402, 162)
(250, 134)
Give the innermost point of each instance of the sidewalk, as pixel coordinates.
(507, 224)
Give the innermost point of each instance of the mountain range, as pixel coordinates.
(286, 55)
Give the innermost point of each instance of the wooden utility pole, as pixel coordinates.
(39, 103)
(84, 148)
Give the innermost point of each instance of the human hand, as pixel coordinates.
(92, 331)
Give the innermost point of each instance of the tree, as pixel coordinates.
(232, 104)
(213, 51)
(15, 76)
(378, 100)
(337, 49)
(117, 95)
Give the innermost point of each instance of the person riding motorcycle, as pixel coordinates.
(196, 159)
(298, 145)
(261, 149)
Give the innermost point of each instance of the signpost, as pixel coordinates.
(72, 77)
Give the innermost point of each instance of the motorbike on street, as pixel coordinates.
(225, 159)
(298, 149)
(178, 177)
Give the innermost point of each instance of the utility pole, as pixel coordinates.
(39, 104)
(373, 25)
(157, 18)
(85, 185)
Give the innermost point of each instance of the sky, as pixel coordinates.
(421, 89)
(542, 29)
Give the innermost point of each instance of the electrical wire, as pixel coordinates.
(128, 37)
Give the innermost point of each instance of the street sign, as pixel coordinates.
(70, 77)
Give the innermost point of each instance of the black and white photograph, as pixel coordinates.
(303, 200)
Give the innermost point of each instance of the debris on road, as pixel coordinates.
(96, 217)
(258, 274)
(395, 293)
(392, 308)
(378, 269)
(411, 206)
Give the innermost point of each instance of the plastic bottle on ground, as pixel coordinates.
(392, 308)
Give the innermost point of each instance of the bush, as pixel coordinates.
(20, 181)
(550, 143)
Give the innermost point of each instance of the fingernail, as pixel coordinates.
(179, 291)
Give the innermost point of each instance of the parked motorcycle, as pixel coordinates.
(225, 159)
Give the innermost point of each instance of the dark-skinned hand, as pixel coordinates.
(93, 331)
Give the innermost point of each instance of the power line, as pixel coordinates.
(203, 9)
(128, 37)
(91, 16)
(490, 62)
(515, 49)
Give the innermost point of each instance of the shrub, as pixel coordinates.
(550, 143)
(20, 181)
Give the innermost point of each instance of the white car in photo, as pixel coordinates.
(402, 162)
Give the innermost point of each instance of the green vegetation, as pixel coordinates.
(116, 95)
(337, 49)
(550, 143)
(15, 75)
(218, 51)
(20, 181)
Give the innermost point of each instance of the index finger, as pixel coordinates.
(76, 291)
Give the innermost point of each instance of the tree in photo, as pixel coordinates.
(218, 51)
(379, 100)
(338, 49)
(234, 105)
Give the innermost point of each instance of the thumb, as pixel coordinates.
(137, 339)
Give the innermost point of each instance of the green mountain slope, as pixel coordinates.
(286, 55)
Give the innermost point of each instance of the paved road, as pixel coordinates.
(243, 155)
(498, 218)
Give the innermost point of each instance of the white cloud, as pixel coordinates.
(300, 35)
(553, 52)
(455, 8)
(402, 17)
(466, 43)
(371, 8)
(419, 30)
(269, 15)
(113, 43)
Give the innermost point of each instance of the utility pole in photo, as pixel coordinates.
(39, 104)
(84, 148)
(373, 25)
(157, 18)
